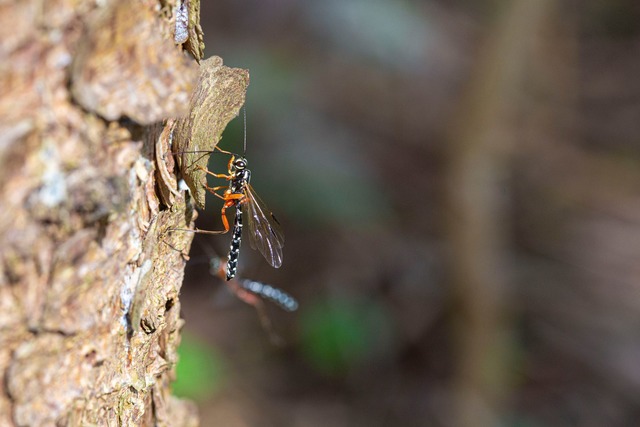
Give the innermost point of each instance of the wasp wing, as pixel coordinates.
(265, 232)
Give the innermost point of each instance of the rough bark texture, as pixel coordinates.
(89, 273)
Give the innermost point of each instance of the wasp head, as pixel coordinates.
(240, 164)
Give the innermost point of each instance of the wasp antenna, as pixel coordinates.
(244, 111)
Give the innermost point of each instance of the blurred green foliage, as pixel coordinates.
(200, 370)
(339, 335)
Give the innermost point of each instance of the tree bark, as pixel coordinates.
(90, 272)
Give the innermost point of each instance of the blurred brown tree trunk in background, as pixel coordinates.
(478, 194)
(89, 274)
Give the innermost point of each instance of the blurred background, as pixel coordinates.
(458, 185)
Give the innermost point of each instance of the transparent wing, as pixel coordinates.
(265, 233)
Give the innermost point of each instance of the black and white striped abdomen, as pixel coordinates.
(236, 239)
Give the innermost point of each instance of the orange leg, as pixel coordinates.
(225, 222)
(230, 201)
(205, 152)
(213, 190)
(223, 212)
(223, 151)
(217, 175)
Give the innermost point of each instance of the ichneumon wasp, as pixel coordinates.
(265, 232)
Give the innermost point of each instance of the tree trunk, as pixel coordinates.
(90, 272)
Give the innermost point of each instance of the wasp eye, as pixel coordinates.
(240, 163)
